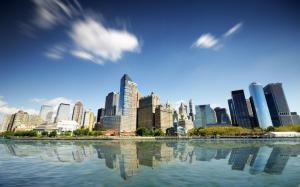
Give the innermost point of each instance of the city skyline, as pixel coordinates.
(209, 54)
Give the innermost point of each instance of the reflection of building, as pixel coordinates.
(277, 160)
(46, 113)
(78, 112)
(239, 157)
(260, 162)
(62, 112)
(129, 163)
(146, 111)
(277, 103)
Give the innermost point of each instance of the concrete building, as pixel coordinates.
(19, 119)
(46, 113)
(277, 104)
(5, 122)
(192, 110)
(183, 109)
(89, 120)
(163, 117)
(67, 125)
(78, 112)
(63, 112)
(222, 116)
(295, 118)
(112, 104)
(146, 111)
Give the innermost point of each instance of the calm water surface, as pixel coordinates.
(164, 163)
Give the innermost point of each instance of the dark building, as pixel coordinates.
(111, 104)
(252, 114)
(241, 109)
(277, 103)
(222, 116)
(232, 114)
(295, 118)
(101, 112)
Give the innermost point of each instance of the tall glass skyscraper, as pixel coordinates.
(205, 115)
(222, 116)
(277, 103)
(46, 113)
(260, 105)
(232, 113)
(62, 112)
(112, 104)
(241, 109)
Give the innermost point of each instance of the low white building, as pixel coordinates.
(67, 125)
(284, 134)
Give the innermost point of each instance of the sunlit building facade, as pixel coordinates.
(78, 112)
(63, 112)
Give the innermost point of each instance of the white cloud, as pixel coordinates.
(97, 43)
(206, 41)
(233, 29)
(6, 109)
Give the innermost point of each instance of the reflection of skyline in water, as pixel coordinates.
(127, 157)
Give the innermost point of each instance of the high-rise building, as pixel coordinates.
(19, 119)
(192, 110)
(252, 112)
(231, 110)
(78, 112)
(46, 113)
(222, 116)
(183, 109)
(89, 120)
(295, 118)
(205, 115)
(128, 104)
(277, 103)
(163, 117)
(241, 110)
(146, 111)
(62, 112)
(111, 104)
(100, 114)
(260, 109)
(5, 122)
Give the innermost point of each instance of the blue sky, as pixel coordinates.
(64, 51)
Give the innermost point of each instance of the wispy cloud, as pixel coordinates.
(233, 29)
(206, 41)
(89, 39)
(6, 109)
(209, 41)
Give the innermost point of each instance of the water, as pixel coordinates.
(164, 163)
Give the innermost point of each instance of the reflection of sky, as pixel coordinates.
(130, 159)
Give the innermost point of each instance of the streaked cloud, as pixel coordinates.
(56, 52)
(233, 29)
(206, 41)
(97, 43)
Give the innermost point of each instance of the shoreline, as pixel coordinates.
(152, 138)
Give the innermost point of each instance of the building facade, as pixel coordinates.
(163, 117)
(112, 104)
(146, 111)
(89, 120)
(231, 110)
(205, 115)
(241, 110)
(46, 113)
(192, 110)
(260, 106)
(222, 116)
(277, 104)
(5, 122)
(62, 112)
(78, 112)
(19, 119)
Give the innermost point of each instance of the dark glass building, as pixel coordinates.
(241, 109)
(231, 110)
(277, 103)
(222, 116)
(101, 112)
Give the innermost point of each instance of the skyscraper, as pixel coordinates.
(205, 115)
(5, 122)
(192, 110)
(46, 113)
(89, 120)
(128, 104)
(277, 103)
(232, 113)
(183, 109)
(100, 114)
(111, 104)
(262, 113)
(18, 119)
(240, 108)
(163, 117)
(222, 116)
(62, 112)
(146, 110)
(78, 112)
